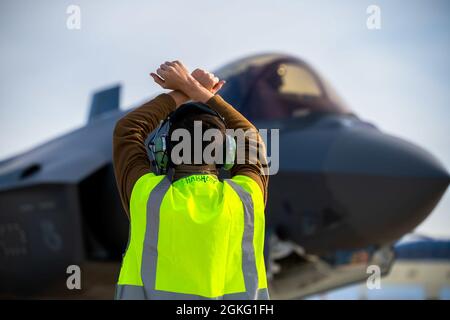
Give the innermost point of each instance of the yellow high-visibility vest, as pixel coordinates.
(195, 238)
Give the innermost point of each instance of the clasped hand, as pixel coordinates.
(200, 85)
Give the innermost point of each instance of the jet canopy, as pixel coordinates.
(274, 86)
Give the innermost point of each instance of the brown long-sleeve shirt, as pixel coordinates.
(129, 151)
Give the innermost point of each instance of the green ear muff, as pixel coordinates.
(230, 152)
(158, 148)
(161, 156)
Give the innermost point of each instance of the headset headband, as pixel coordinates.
(187, 108)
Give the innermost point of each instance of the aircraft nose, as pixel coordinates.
(387, 184)
(371, 151)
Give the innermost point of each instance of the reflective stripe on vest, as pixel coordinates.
(130, 292)
(150, 253)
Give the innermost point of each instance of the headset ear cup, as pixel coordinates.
(230, 152)
(158, 147)
(160, 152)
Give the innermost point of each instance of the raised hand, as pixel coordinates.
(175, 76)
(172, 75)
(208, 80)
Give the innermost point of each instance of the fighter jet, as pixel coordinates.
(344, 193)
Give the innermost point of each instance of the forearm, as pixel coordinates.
(129, 151)
(195, 91)
(179, 97)
(251, 155)
(233, 118)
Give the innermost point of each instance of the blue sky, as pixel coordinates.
(397, 77)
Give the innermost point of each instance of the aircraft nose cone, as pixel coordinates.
(373, 152)
(387, 185)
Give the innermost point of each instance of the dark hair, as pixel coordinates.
(186, 121)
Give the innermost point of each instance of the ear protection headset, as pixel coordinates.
(160, 144)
